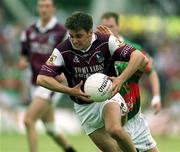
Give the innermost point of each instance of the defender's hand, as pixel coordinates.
(104, 30)
(116, 86)
(156, 104)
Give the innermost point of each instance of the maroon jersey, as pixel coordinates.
(78, 65)
(37, 45)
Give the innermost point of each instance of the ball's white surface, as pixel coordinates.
(98, 86)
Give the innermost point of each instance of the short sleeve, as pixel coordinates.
(54, 65)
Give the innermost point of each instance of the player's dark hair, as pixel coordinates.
(79, 21)
(108, 15)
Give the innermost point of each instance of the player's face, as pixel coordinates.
(80, 40)
(111, 23)
(45, 9)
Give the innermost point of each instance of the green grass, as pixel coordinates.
(168, 144)
(17, 143)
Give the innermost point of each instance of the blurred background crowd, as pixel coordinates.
(153, 24)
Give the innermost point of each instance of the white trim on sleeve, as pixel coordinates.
(113, 44)
(59, 60)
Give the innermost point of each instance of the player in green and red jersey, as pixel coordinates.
(136, 125)
(111, 20)
(130, 89)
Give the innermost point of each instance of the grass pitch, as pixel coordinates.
(18, 143)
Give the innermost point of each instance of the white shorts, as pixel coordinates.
(138, 129)
(90, 115)
(51, 96)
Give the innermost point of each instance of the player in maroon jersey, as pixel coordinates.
(81, 55)
(37, 44)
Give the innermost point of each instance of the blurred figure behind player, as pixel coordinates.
(37, 43)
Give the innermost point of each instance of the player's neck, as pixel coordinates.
(86, 48)
(44, 22)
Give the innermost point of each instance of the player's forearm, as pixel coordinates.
(154, 81)
(156, 100)
(52, 84)
(137, 61)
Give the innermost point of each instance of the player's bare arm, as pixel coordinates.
(137, 61)
(52, 84)
(156, 100)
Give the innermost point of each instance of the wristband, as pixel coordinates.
(156, 99)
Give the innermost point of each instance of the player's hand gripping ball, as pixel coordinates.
(98, 86)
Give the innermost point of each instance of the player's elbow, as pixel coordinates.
(40, 80)
(145, 61)
(140, 58)
(143, 65)
(22, 65)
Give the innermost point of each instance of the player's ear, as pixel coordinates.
(90, 32)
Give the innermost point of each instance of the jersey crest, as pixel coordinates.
(51, 59)
(76, 59)
(99, 57)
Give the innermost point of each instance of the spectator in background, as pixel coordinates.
(3, 40)
(111, 20)
(11, 93)
(11, 86)
(37, 42)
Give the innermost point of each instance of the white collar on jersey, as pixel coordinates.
(92, 40)
(49, 26)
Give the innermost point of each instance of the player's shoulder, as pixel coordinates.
(109, 39)
(64, 46)
(27, 31)
(31, 27)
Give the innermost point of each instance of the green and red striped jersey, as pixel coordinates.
(130, 89)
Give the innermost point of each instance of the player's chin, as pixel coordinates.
(45, 16)
(77, 47)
